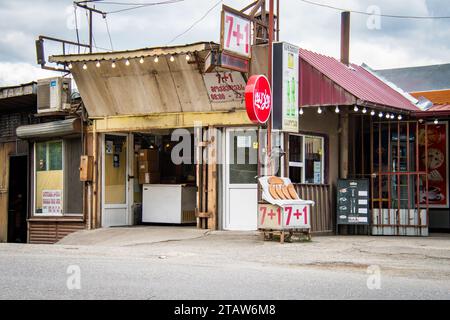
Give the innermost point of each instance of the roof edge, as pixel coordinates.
(392, 85)
(143, 52)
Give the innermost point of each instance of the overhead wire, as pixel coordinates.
(373, 14)
(195, 23)
(138, 6)
(109, 33)
(76, 26)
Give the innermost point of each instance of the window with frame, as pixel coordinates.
(306, 159)
(57, 187)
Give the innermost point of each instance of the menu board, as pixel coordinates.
(353, 201)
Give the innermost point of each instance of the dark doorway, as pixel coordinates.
(17, 199)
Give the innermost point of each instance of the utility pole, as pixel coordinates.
(269, 74)
(82, 4)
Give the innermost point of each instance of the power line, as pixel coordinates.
(132, 3)
(137, 5)
(373, 14)
(196, 22)
(76, 26)
(109, 34)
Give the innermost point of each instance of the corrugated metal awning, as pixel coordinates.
(347, 81)
(53, 129)
(130, 54)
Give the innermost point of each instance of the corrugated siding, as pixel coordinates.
(322, 213)
(318, 90)
(49, 232)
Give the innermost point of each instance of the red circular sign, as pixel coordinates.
(258, 99)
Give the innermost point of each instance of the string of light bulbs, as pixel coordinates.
(126, 62)
(365, 110)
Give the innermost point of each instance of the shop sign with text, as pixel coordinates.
(258, 99)
(224, 86)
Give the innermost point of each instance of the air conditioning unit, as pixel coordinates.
(53, 94)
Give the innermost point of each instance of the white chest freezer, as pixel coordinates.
(168, 203)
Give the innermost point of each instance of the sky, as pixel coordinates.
(379, 42)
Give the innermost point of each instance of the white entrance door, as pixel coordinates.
(241, 198)
(115, 191)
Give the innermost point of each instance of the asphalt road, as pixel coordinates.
(199, 269)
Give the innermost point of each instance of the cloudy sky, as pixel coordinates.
(384, 43)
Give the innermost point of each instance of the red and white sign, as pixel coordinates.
(224, 86)
(286, 217)
(258, 99)
(235, 32)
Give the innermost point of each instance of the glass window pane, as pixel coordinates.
(49, 178)
(295, 148)
(115, 169)
(295, 174)
(243, 157)
(55, 155)
(313, 159)
(41, 156)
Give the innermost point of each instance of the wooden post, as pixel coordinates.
(343, 143)
(212, 178)
(95, 178)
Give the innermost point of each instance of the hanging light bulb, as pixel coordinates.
(84, 66)
(364, 110)
(436, 121)
(127, 62)
(172, 58)
(372, 113)
(97, 64)
(392, 116)
(380, 114)
(156, 59)
(355, 108)
(399, 117)
(70, 66)
(301, 111)
(387, 116)
(188, 57)
(337, 109)
(319, 110)
(113, 64)
(141, 60)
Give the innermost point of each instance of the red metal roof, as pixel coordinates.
(336, 83)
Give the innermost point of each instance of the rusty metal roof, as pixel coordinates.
(440, 100)
(18, 97)
(435, 96)
(346, 85)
